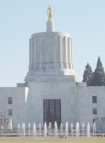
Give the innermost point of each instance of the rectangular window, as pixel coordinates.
(94, 111)
(93, 120)
(10, 112)
(9, 100)
(94, 99)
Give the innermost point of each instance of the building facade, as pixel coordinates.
(50, 92)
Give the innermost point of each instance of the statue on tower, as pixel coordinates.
(50, 13)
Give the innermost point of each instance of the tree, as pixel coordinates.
(88, 75)
(99, 74)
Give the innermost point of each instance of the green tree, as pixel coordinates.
(99, 74)
(88, 75)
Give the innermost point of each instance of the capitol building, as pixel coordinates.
(51, 92)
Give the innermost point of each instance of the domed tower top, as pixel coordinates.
(50, 22)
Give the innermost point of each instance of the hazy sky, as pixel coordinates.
(83, 19)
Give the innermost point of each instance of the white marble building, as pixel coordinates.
(50, 92)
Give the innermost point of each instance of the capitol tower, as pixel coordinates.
(50, 53)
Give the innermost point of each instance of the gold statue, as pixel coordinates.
(50, 13)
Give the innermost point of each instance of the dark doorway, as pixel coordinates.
(52, 111)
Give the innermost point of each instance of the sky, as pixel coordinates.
(19, 19)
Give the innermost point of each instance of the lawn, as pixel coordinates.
(52, 140)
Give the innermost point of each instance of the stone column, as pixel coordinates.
(63, 53)
(66, 52)
(71, 53)
(43, 53)
(61, 60)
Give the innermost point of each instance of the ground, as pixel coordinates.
(52, 140)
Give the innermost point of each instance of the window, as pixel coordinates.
(10, 112)
(9, 100)
(93, 120)
(94, 99)
(94, 111)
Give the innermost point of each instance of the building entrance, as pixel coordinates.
(52, 111)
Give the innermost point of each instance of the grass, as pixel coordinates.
(51, 140)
